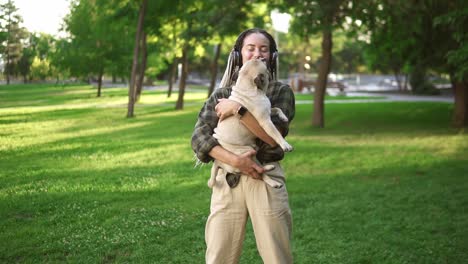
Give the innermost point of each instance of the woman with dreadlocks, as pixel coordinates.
(242, 196)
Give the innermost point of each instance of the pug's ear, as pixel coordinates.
(261, 81)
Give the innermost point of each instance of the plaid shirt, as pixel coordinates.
(280, 96)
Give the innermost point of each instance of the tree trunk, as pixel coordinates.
(142, 68)
(7, 75)
(7, 64)
(101, 73)
(183, 78)
(460, 114)
(321, 84)
(214, 69)
(172, 77)
(397, 72)
(173, 73)
(136, 51)
(405, 86)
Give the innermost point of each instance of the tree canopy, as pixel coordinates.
(340, 35)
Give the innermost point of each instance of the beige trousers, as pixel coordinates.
(269, 212)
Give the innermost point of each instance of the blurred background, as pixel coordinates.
(416, 47)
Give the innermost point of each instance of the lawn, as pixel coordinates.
(80, 183)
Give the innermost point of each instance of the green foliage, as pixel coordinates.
(40, 69)
(157, 65)
(347, 53)
(433, 40)
(382, 183)
(458, 59)
(12, 36)
(391, 45)
(419, 82)
(99, 42)
(24, 64)
(456, 20)
(42, 44)
(102, 34)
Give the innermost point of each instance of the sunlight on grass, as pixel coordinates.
(158, 98)
(147, 157)
(42, 132)
(443, 144)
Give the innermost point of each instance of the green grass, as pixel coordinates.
(80, 183)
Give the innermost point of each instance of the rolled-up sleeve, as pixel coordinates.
(202, 137)
(282, 97)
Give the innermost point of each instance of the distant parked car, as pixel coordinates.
(300, 84)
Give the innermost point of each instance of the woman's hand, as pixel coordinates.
(243, 162)
(249, 167)
(226, 108)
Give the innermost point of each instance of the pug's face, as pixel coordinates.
(257, 71)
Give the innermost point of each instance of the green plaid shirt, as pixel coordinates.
(280, 96)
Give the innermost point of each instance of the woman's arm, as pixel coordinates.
(249, 121)
(226, 108)
(243, 162)
(202, 136)
(207, 148)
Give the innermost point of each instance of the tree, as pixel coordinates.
(139, 36)
(210, 22)
(391, 42)
(25, 62)
(142, 66)
(98, 41)
(40, 68)
(38, 48)
(190, 34)
(86, 45)
(433, 42)
(457, 57)
(61, 57)
(214, 68)
(14, 35)
(319, 16)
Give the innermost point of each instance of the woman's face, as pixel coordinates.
(255, 46)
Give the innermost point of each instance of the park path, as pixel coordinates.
(383, 95)
(387, 97)
(373, 97)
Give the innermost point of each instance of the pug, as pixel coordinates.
(249, 90)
